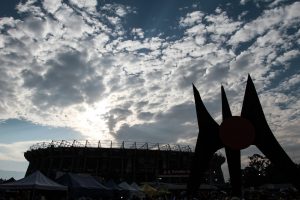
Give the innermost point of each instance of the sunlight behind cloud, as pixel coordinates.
(91, 121)
(115, 71)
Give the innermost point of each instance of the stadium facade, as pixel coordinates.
(130, 161)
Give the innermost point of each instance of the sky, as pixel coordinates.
(123, 69)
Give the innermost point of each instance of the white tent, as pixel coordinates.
(132, 191)
(35, 181)
(125, 186)
(135, 186)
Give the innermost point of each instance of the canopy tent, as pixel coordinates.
(36, 181)
(149, 190)
(125, 186)
(118, 192)
(132, 192)
(135, 186)
(33, 186)
(83, 185)
(9, 180)
(112, 185)
(80, 181)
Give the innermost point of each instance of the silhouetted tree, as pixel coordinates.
(255, 173)
(259, 163)
(260, 171)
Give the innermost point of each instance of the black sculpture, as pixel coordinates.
(236, 133)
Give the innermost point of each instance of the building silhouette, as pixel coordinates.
(130, 161)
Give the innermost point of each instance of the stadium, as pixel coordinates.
(130, 161)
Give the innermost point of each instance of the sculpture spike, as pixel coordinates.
(226, 112)
(251, 101)
(264, 138)
(233, 156)
(203, 116)
(208, 142)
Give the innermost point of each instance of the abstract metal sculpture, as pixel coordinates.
(236, 133)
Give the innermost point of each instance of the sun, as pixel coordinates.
(91, 121)
(93, 112)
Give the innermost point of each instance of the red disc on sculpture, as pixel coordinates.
(237, 133)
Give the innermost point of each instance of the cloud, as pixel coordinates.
(89, 5)
(220, 24)
(271, 19)
(15, 151)
(146, 116)
(138, 32)
(29, 7)
(69, 80)
(168, 127)
(287, 56)
(242, 61)
(87, 65)
(191, 19)
(52, 5)
(115, 116)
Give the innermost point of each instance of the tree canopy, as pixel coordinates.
(261, 171)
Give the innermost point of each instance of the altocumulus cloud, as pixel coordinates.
(103, 70)
(68, 80)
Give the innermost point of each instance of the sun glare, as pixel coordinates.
(93, 112)
(92, 123)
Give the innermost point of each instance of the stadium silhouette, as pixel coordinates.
(130, 161)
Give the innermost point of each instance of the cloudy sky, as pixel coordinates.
(123, 70)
